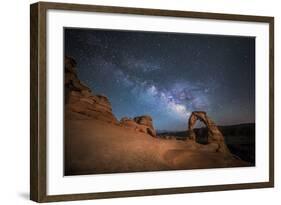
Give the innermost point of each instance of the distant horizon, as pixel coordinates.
(163, 131)
(168, 75)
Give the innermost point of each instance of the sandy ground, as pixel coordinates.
(93, 146)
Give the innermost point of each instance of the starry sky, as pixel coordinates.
(167, 75)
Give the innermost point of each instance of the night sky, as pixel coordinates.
(168, 75)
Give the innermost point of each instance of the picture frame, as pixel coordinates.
(40, 78)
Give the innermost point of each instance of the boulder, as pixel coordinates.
(140, 124)
(146, 121)
(129, 123)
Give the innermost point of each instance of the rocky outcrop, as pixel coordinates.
(141, 123)
(71, 80)
(146, 121)
(80, 102)
(214, 134)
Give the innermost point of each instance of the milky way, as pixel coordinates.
(168, 75)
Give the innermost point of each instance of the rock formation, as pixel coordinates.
(146, 120)
(80, 103)
(214, 134)
(140, 123)
(94, 137)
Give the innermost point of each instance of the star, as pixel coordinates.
(167, 75)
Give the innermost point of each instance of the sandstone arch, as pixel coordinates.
(214, 134)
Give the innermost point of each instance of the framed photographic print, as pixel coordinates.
(134, 102)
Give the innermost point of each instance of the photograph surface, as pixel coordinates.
(137, 101)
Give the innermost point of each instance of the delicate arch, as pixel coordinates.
(214, 134)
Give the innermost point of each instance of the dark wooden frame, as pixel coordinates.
(38, 101)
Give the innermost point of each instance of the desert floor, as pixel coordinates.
(95, 147)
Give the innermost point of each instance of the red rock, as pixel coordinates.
(214, 134)
(80, 102)
(146, 120)
(140, 124)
